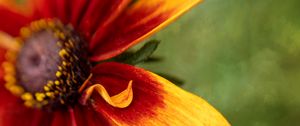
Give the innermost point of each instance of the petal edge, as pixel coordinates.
(138, 22)
(156, 100)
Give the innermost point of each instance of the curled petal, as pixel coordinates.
(156, 101)
(121, 100)
(140, 20)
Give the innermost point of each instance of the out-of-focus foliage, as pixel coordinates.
(243, 56)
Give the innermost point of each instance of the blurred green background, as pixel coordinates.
(242, 56)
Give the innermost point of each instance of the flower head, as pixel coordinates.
(49, 76)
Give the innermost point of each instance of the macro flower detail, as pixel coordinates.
(53, 70)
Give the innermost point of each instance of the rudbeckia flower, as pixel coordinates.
(52, 74)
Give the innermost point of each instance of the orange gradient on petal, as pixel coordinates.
(166, 10)
(174, 7)
(180, 108)
(157, 102)
(25, 7)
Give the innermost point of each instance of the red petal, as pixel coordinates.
(53, 9)
(155, 100)
(14, 113)
(62, 10)
(11, 21)
(61, 118)
(78, 9)
(86, 116)
(101, 12)
(46, 8)
(139, 21)
(86, 15)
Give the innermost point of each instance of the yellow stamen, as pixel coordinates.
(16, 90)
(56, 82)
(10, 79)
(46, 88)
(58, 74)
(64, 63)
(27, 96)
(25, 32)
(63, 52)
(42, 23)
(50, 94)
(8, 67)
(40, 96)
(121, 100)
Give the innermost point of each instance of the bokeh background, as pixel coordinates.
(242, 56)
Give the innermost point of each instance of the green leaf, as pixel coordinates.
(153, 59)
(142, 55)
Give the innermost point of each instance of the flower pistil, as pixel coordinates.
(50, 66)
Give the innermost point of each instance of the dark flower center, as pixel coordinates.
(51, 65)
(38, 60)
